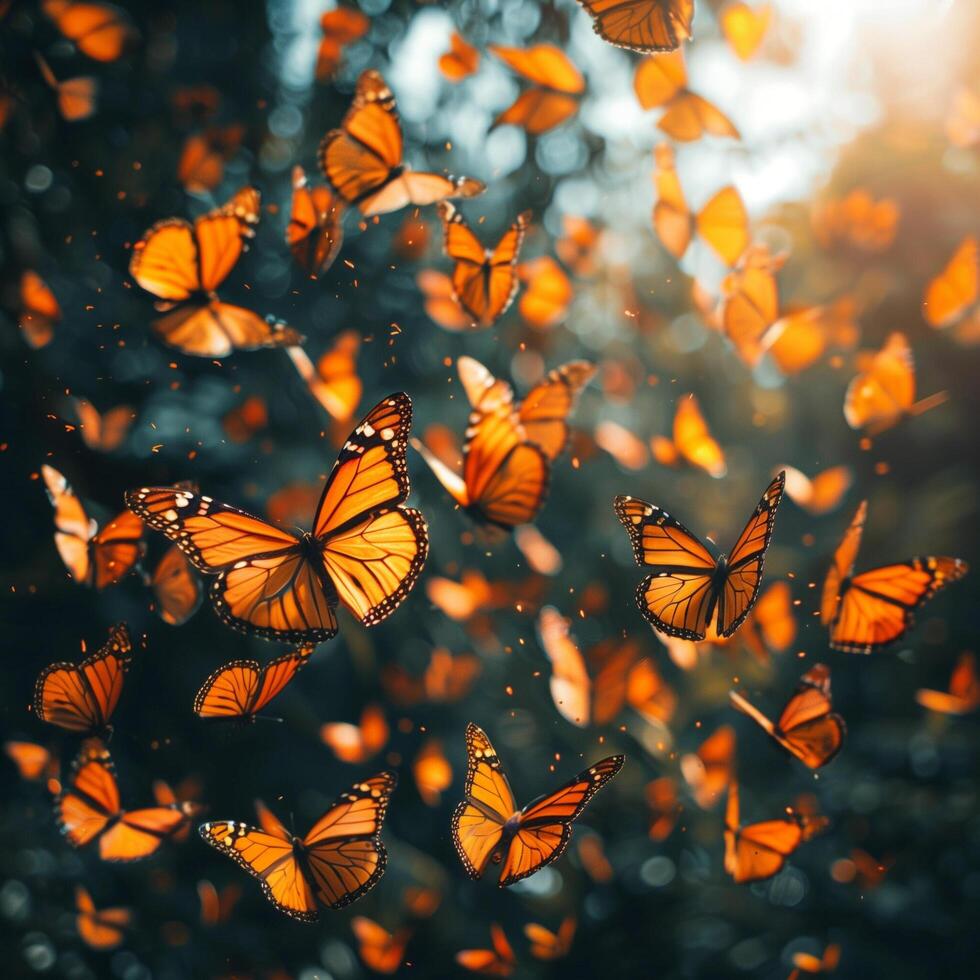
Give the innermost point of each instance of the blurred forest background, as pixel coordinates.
(844, 95)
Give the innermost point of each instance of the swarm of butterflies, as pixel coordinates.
(353, 543)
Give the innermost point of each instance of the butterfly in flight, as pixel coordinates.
(103, 431)
(339, 859)
(556, 87)
(100, 31)
(99, 928)
(873, 609)
(365, 549)
(963, 695)
(807, 727)
(315, 231)
(39, 310)
(362, 160)
(708, 771)
(745, 27)
(460, 61)
(692, 441)
(356, 742)
(642, 25)
(689, 591)
(176, 588)
(488, 828)
(341, 27)
(498, 961)
(548, 945)
(380, 950)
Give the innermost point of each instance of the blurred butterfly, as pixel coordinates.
(548, 945)
(749, 309)
(421, 902)
(39, 310)
(440, 301)
(460, 61)
(692, 441)
(593, 857)
(242, 688)
(488, 828)
(362, 161)
(216, 907)
(723, 222)
(548, 293)
(447, 678)
(99, 30)
(807, 727)
(88, 809)
(541, 555)
(474, 594)
(642, 25)
(820, 494)
(771, 626)
(365, 550)
(99, 928)
(872, 610)
(81, 698)
(963, 695)
(963, 118)
(689, 590)
(868, 871)
(660, 82)
(484, 281)
(380, 950)
(556, 87)
(75, 96)
(953, 291)
(246, 418)
(333, 381)
(857, 220)
(627, 448)
(578, 245)
(98, 558)
(176, 589)
(800, 339)
(665, 807)
(498, 961)
(759, 850)
(808, 963)
(33, 761)
(103, 432)
(183, 264)
(341, 26)
(201, 166)
(185, 794)
(315, 231)
(708, 771)
(339, 860)
(745, 27)
(411, 241)
(432, 771)
(353, 743)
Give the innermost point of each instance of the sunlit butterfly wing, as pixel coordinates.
(460, 61)
(642, 25)
(950, 293)
(242, 688)
(32, 760)
(545, 410)
(99, 928)
(548, 945)
(708, 771)
(499, 961)
(964, 690)
(380, 950)
(315, 230)
(355, 743)
(745, 27)
(333, 380)
(759, 850)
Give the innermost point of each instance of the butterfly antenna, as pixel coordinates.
(931, 401)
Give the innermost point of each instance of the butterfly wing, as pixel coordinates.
(315, 230)
(950, 293)
(642, 25)
(545, 410)
(176, 589)
(842, 566)
(241, 689)
(808, 727)
(84, 808)
(115, 550)
(760, 850)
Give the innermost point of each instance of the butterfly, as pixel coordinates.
(473, 594)
(88, 809)
(548, 945)
(771, 626)
(94, 557)
(75, 96)
(539, 553)
(548, 295)
(723, 222)
(315, 231)
(692, 441)
(242, 688)
(749, 312)
(440, 302)
(745, 27)
(362, 160)
(820, 494)
(807, 727)
(176, 589)
(627, 448)
(183, 265)
(354, 743)
(954, 290)
(869, 611)
(447, 677)
(432, 771)
(578, 245)
(81, 698)
(689, 590)
(642, 25)
(556, 87)
(99, 30)
(498, 961)
(33, 761)
(103, 432)
(39, 310)
(201, 166)
(380, 950)
(484, 281)
(858, 220)
(665, 807)
(808, 963)
(333, 381)
(339, 859)
(963, 695)
(489, 829)
(340, 26)
(460, 61)
(759, 850)
(365, 549)
(99, 928)
(660, 81)
(216, 907)
(708, 771)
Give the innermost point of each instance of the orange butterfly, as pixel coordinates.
(858, 220)
(88, 809)
(489, 829)
(821, 493)
(333, 381)
(963, 118)
(447, 678)
(33, 761)
(362, 161)
(103, 432)
(593, 857)
(99, 928)
(440, 301)
(556, 87)
(661, 82)
(692, 441)
(216, 907)
(951, 293)
(484, 281)
(548, 295)
(708, 771)
(76, 96)
(432, 771)
(548, 945)
(99, 30)
(771, 626)
(541, 555)
(723, 222)
(82, 698)
(183, 264)
(499, 961)
(473, 594)
(807, 728)
(380, 950)
(808, 963)
(366, 550)
(749, 312)
(357, 743)
(665, 808)
(341, 26)
(176, 589)
(689, 590)
(579, 245)
(627, 448)
(642, 25)
(745, 27)
(93, 557)
(242, 688)
(315, 231)
(165, 795)
(869, 611)
(201, 166)
(339, 860)
(964, 690)
(39, 310)
(800, 339)
(460, 61)
(759, 850)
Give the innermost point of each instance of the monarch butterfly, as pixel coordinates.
(176, 589)
(964, 690)
(39, 310)
(554, 97)
(380, 950)
(88, 809)
(183, 265)
(362, 161)
(749, 312)
(315, 231)
(692, 441)
(341, 26)
(99, 928)
(333, 381)
(447, 678)
(745, 27)
(548, 295)
(820, 494)
(94, 557)
(355, 743)
(75, 96)
(759, 850)
(660, 81)
(441, 306)
(99, 30)
(201, 166)
(216, 907)
(460, 61)
(807, 727)
(339, 860)
(688, 590)
(872, 610)
(665, 807)
(723, 222)
(708, 771)
(950, 293)
(365, 549)
(548, 945)
(484, 281)
(498, 961)
(33, 761)
(432, 771)
(627, 448)
(103, 432)
(242, 688)
(642, 25)
(82, 697)
(489, 829)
